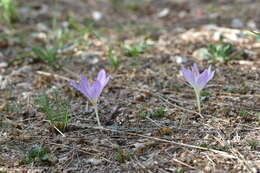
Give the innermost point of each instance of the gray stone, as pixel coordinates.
(3, 64)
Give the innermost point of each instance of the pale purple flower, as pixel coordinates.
(196, 79)
(92, 90)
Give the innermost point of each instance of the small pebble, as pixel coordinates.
(97, 16)
(94, 161)
(164, 12)
(3, 64)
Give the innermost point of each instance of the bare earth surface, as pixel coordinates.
(148, 111)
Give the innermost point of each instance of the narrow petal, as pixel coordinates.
(105, 81)
(195, 70)
(80, 88)
(101, 76)
(95, 90)
(84, 81)
(209, 69)
(75, 85)
(210, 73)
(202, 80)
(188, 76)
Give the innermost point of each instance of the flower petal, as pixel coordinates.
(202, 80)
(105, 81)
(75, 85)
(197, 80)
(188, 76)
(102, 77)
(210, 73)
(80, 88)
(84, 82)
(195, 70)
(95, 90)
(91, 91)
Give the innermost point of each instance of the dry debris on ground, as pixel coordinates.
(148, 111)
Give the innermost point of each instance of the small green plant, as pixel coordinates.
(143, 113)
(134, 5)
(204, 95)
(47, 55)
(113, 59)
(203, 145)
(75, 34)
(229, 90)
(244, 113)
(135, 49)
(4, 37)
(8, 10)
(221, 52)
(62, 36)
(57, 112)
(91, 28)
(13, 107)
(78, 33)
(254, 144)
(180, 170)
(158, 113)
(122, 156)
(37, 154)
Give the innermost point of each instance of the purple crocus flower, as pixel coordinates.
(197, 80)
(92, 91)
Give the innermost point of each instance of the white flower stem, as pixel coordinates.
(198, 100)
(97, 116)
